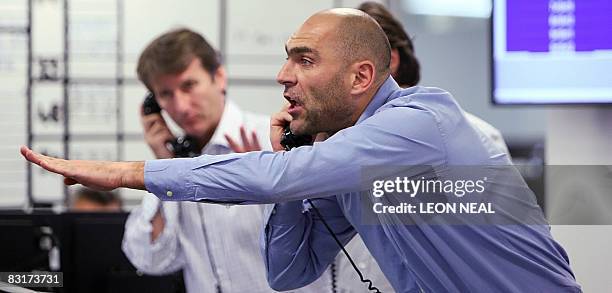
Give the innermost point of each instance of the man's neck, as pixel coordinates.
(365, 101)
(205, 138)
(359, 109)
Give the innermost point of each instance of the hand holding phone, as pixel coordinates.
(290, 140)
(155, 129)
(158, 135)
(281, 137)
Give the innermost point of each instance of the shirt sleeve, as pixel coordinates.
(324, 169)
(162, 256)
(297, 248)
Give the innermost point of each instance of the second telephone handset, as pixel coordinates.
(182, 146)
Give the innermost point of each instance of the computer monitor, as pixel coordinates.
(90, 252)
(27, 239)
(551, 52)
(95, 263)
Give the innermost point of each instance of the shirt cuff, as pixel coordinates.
(170, 179)
(185, 179)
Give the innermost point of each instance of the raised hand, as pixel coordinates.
(248, 144)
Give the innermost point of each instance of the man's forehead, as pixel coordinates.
(311, 34)
(302, 40)
(195, 66)
(170, 80)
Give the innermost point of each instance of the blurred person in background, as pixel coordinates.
(406, 69)
(89, 200)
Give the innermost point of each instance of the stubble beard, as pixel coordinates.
(332, 111)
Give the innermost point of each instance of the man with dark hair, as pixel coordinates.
(89, 200)
(405, 67)
(387, 126)
(214, 245)
(200, 107)
(173, 52)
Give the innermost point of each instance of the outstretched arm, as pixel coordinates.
(327, 168)
(98, 175)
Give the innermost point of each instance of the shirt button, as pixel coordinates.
(362, 266)
(169, 193)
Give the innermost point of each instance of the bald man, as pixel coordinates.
(337, 82)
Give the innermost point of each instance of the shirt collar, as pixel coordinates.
(230, 123)
(380, 98)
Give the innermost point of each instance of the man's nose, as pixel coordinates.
(286, 76)
(182, 101)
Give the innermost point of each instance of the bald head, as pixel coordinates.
(356, 37)
(336, 61)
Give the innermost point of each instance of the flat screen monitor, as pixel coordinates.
(94, 262)
(91, 258)
(24, 236)
(552, 52)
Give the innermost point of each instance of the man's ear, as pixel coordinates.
(364, 74)
(221, 77)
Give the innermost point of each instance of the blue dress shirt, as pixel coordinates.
(510, 251)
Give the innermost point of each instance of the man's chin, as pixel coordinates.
(195, 129)
(197, 133)
(302, 129)
(297, 127)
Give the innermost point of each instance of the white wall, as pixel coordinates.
(249, 35)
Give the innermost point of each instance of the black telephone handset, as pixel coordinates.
(182, 146)
(290, 141)
(150, 105)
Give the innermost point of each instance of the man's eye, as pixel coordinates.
(189, 85)
(164, 95)
(305, 61)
